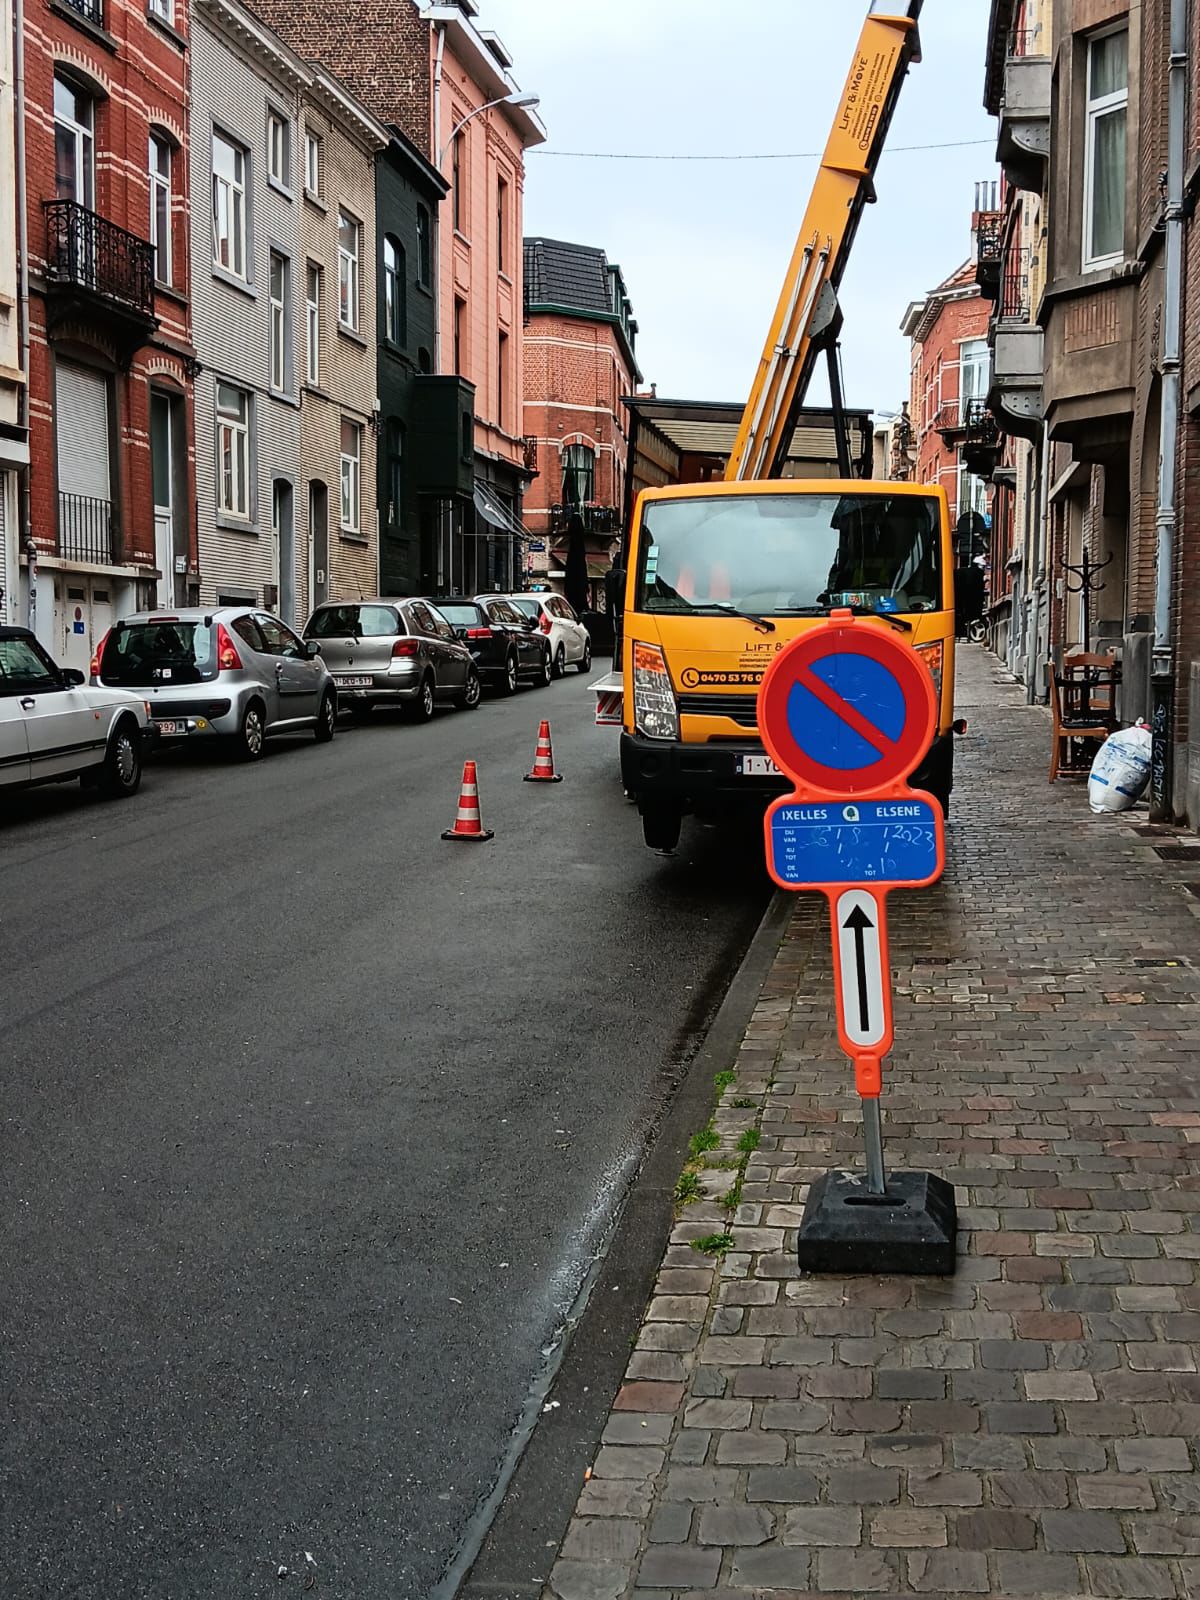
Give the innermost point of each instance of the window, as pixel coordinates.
(351, 476)
(501, 377)
(229, 205)
(501, 225)
(974, 372)
(1104, 152)
(278, 637)
(279, 154)
(424, 249)
(233, 451)
(579, 474)
(279, 287)
(460, 334)
(395, 290)
(246, 628)
(26, 669)
(456, 178)
(312, 324)
(312, 163)
(160, 207)
(395, 473)
(164, 10)
(74, 144)
(348, 240)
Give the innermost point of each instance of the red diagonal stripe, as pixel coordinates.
(832, 701)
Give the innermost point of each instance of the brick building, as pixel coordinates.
(579, 363)
(14, 435)
(106, 160)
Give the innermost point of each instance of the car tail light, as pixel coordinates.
(405, 647)
(547, 622)
(479, 633)
(934, 656)
(228, 659)
(655, 711)
(98, 654)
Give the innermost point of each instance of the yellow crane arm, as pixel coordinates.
(807, 311)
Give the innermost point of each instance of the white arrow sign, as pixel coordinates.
(858, 923)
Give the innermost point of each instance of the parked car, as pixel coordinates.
(507, 648)
(53, 727)
(230, 672)
(569, 640)
(394, 652)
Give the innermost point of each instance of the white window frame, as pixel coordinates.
(232, 192)
(233, 438)
(279, 163)
(349, 273)
(164, 10)
(350, 478)
(160, 189)
(314, 283)
(1095, 112)
(973, 357)
(83, 136)
(312, 163)
(278, 327)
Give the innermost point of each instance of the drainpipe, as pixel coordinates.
(439, 52)
(1162, 675)
(25, 523)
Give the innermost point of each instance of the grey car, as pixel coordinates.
(231, 672)
(394, 652)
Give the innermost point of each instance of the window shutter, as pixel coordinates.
(81, 424)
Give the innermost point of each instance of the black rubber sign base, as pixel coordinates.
(913, 1228)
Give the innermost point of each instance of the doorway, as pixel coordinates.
(318, 527)
(285, 540)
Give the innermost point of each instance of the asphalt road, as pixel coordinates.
(310, 1125)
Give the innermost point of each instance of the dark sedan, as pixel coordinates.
(506, 649)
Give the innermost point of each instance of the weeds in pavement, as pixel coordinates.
(713, 1244)
(687, 1188)
(743, 1105)
(723, 1080)
(749, 1140)
(733, 1199)
(706, 1139)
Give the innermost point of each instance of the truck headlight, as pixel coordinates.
(654, 710)
(934, 656)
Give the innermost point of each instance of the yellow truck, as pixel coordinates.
(721, 575)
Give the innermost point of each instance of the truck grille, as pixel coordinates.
(739, 708)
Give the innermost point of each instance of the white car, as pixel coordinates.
(570, 642)
(53, 727)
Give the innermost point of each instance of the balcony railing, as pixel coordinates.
(595, 518)
(91, 10)
(1015, 296)
(85, 528)
(86, 251)
(952, 417)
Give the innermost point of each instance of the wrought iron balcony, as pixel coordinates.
(595, 518)
(90, 10)
(982, 441)
(951, 420)
(1015, 292)
(89, 259)
(989, 252)
(85, 527)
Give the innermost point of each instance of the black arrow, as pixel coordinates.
(860, 922)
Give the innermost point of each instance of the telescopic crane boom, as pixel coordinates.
(807, 318)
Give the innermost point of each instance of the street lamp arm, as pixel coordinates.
(524, 101)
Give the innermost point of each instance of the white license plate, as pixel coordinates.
(166, 728)
(758, 767)
(353, 683)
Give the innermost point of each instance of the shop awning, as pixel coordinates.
(493, 510)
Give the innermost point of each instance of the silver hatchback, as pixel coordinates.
(229, 671)
(393, 652)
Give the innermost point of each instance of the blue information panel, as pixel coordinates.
(868, 841)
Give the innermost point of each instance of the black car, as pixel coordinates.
(507, 648)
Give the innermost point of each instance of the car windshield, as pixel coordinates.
(22, 666)
(160, 651)
(359, 622)
(791, 554)
(460, 616)
(529, 608)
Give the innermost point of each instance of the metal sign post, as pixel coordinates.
(847, 711)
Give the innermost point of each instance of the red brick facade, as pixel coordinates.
(95, 305)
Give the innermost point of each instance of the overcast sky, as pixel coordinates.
(704, 244)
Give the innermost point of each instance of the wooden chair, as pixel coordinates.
(1100, 678)
(1074, 722)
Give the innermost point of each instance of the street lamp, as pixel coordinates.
(523, 102)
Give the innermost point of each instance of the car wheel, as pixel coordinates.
(584, 664)
(121, 772)
(251, 738)
(560, 662)
(508, 684)
(545, 670)
(425, 704)
(326, 725)
(472, 693)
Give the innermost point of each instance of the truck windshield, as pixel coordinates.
(791, 555)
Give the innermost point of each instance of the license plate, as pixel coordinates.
(757, 767)
(166, 728)
(353, 683)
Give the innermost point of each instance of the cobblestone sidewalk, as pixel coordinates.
(1030, 1426)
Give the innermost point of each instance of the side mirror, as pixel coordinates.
(461, 635)
(312, 648)
(72, 677)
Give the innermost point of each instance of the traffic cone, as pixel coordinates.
(468, 823)
(543, 761)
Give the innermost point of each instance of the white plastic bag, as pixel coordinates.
(1121, 769)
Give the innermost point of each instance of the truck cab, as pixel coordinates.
(721, 576)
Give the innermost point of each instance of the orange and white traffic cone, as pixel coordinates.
(543, 761)
(468, 824)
